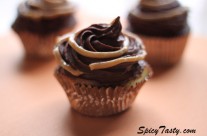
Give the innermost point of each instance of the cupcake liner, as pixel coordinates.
(164, 52)
(89, 98)
(40, 46)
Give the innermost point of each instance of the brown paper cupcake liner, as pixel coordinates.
(39, 46)
(90, 99)
(164, 52)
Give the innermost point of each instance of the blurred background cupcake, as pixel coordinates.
(39, 22)
(163, 27)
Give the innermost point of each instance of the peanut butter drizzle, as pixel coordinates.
(101, 55)
(64, 65)
(45, 8)
(166, 14)
(100, 65)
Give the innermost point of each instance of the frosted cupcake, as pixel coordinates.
(39, 22)
(162, 25)
(101, 69)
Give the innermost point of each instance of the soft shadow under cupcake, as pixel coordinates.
(162, 70)
(95, 126)
(28, 63)
(126, 123)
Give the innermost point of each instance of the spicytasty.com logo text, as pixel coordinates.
(142, 130)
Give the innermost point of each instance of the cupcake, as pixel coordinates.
(101, 69)
(162, 25)
(39, 22)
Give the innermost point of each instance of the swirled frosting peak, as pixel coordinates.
(101, 52)
(101, 38)
(159, 18)
(45, 8)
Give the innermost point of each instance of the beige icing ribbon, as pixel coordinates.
(111, 63)
(46, 8)
(98, 55)
(166, 14)
(155, 3)
(100, 65)
(54, 1)
(63, 64)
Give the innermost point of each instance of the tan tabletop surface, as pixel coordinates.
(32, 103)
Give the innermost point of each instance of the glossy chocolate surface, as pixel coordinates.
(103, 38)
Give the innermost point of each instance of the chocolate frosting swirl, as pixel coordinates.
(101, 37)
(159, 18)
(45, 8)
(103, 53)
